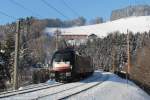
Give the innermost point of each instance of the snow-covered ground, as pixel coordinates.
(114, 88)
(54, 90)
(134, 24)
(106, 86)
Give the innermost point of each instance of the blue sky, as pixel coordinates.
(86, 8)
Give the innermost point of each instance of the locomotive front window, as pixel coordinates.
(63, 57)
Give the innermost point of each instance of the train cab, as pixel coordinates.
(68, 66)
(62, 64)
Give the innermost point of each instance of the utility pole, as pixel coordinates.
(128, 41)
(57, 39)
(15, 84)
(128, 52)
(114, 66)
(57, 33)
(28, 26)
(113, 54)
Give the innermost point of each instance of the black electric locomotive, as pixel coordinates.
(68, 66)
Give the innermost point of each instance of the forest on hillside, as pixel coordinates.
(112, 51)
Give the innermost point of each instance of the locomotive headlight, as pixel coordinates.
(67, 62)
(68, 73)
(71, 67)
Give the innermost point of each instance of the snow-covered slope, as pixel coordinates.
(134, 24)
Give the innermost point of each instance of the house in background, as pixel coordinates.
(72, 38)
(75, 39)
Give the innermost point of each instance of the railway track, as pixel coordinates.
(28, 89)
(64, 94)
(33, 94)
(56, 91)
(81, 90)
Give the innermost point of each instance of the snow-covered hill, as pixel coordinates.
(134, 24)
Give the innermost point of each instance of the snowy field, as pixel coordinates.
(106, 86)
(115, 88)
(134, 24)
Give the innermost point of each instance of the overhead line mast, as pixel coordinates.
(16, 62)
(128, 52)
(15, 76)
